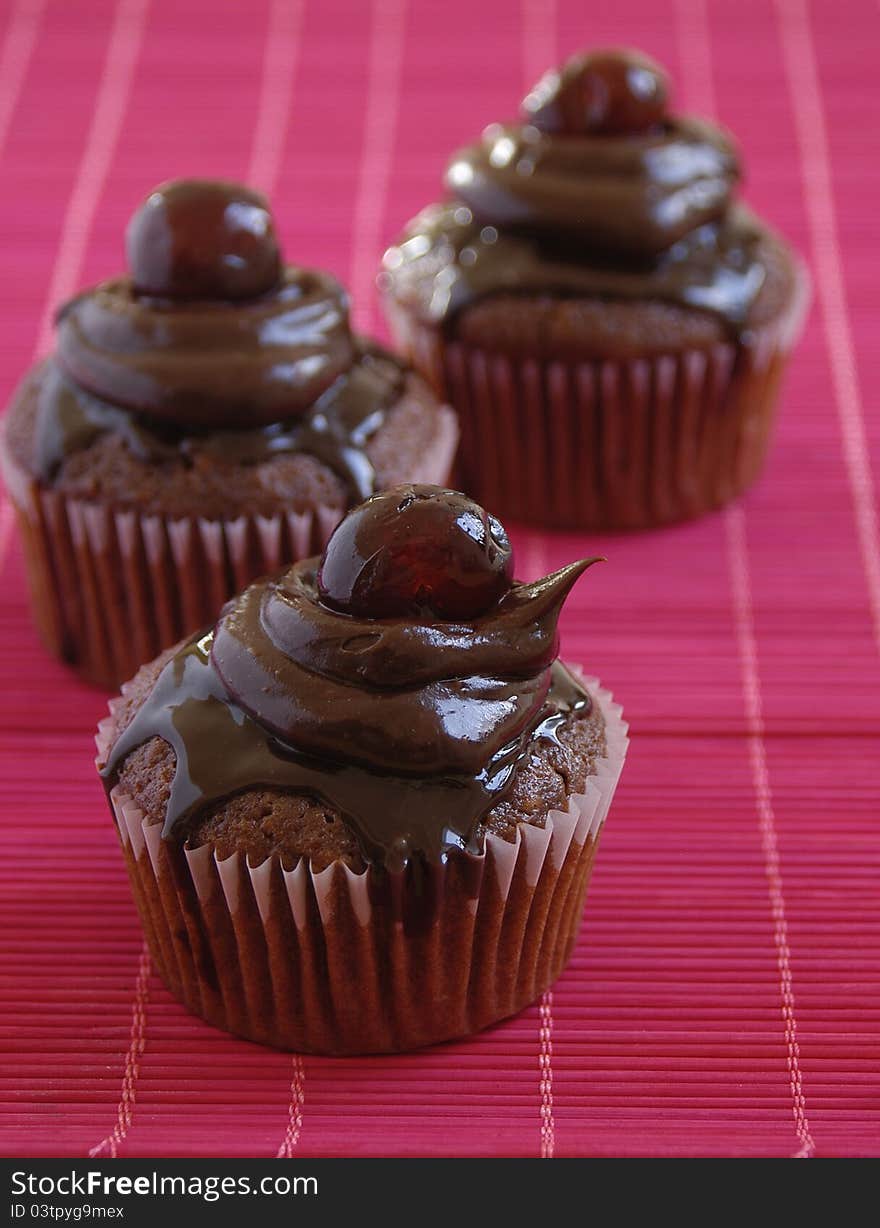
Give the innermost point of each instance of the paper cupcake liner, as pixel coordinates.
(608, 444)
(111, 587)
(310, 961)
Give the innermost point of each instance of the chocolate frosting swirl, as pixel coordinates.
(209, 363)
(412, 730)
(435, 696)
(580, 200)
(637, 194)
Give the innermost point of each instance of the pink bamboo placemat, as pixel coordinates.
(725, 995)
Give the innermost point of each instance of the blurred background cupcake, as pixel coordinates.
(610, 326)
(203, 420)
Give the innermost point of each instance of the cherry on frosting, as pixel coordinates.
(600, 93)
(416, 551)
(203, 239)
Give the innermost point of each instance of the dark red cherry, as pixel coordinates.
(202, 238)
(600, 93)
(416, 551)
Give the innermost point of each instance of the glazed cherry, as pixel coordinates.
(600, 93)
(202, 238)
(416, 551)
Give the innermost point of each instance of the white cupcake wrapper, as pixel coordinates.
(303, 959)
(110, 587)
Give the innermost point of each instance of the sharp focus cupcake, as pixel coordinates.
(203, 420)
(360, 813)
(610, 325)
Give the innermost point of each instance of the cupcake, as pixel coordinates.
(359, 814)
(202, 421)
(610, 325)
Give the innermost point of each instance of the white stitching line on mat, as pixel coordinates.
(737, 546)
(545, 1065)
(110, 103)
(534, 558)
(15, 58)
(279, 70)
(110, 1144)
(388, 18)
(538, 21)
(295, 1111)
(696, 65)
(799, 59)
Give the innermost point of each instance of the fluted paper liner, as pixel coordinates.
(111, 587)
(304, 960)
(608, 444)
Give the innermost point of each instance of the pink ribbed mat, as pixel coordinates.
(725, 995)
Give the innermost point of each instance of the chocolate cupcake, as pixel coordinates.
(203, 420)
(360, 813)
(609, 324)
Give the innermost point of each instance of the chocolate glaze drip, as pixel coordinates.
(335, 429)
(715, 268)
(412, 765)
(642, 214)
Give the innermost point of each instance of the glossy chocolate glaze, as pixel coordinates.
(213, 346)
(593, 212)
(244, 706)
(335, 429)
(448, 261)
